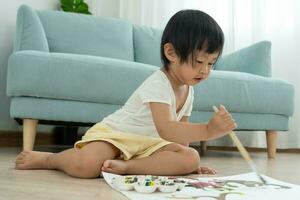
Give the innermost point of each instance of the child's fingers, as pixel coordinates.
(231, 126)
(226, 117)
(223, 109)
(220, 109)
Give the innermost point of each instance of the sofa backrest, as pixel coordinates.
(85, 34)
(82, 34)
(62, 32)
(58, 31)
(146, 42)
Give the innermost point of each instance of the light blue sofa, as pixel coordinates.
(70, 68)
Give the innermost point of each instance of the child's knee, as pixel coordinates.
(85, 167)
(192, 160)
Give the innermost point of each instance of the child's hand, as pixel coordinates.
(220, 124)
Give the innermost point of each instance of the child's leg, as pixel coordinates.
(83, 163)
(173, 159)
(203, 170)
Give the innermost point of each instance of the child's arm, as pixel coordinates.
(185, 119)
(183, 132)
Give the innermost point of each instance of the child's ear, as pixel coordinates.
(170, 52)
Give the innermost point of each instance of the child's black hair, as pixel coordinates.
(189, 31)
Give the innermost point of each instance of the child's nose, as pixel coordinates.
(204, 69)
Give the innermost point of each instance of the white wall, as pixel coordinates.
(110, 8)
(8, 13)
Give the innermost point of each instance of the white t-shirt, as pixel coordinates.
(136, 117)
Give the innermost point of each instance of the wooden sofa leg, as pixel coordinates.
(271, 143)
(29, 133)
(203, 148)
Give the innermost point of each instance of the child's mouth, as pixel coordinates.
(198, 79)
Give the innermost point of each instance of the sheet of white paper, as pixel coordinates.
(237, 187)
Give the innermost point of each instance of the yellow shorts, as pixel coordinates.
(131, 146)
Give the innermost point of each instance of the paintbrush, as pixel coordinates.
(244, 152)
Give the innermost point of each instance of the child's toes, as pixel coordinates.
(107, 170)
(106, 165)
(206, 170)
(19, 157)
(19, 166)
(25, 152)
(19, 161)
(210, 171)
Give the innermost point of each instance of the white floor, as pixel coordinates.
(45, 184)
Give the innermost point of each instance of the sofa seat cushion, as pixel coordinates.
(112, 81)
(244, 92)
(74, 77)
(87, 112)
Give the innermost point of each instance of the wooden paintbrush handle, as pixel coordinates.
(244, 152)
(237, 142)
(240, 147)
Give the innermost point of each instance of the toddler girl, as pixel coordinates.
(150, 134)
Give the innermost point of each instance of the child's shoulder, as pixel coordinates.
(157, 80)
(157, 76)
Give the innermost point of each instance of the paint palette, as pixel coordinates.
(124, 183)
(145, 186)
(148, 184)
(167, 186)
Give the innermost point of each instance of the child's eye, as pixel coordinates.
(212, 65)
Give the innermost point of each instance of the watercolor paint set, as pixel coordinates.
(148, 184)
(237, 187)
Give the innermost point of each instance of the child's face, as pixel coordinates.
(191, 73)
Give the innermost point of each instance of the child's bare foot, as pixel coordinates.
(32, 160)
(205, 170)
(114, 166)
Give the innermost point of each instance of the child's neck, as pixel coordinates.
(175, 82)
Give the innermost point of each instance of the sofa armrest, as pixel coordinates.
(255, 59)
(30, 34)
(74, 77)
